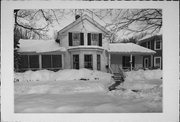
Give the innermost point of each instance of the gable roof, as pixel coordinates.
(80, 19)
(149, 38)
(39, 46)
(129, 48)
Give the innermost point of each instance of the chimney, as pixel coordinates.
(77, 16)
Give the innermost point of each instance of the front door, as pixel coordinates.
(75, 61)
(88, 61)
(146, 62)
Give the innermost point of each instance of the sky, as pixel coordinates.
(67, 16)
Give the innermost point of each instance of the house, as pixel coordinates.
(82, 44)
(153, 43)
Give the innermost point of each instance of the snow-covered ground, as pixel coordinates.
(86, 91)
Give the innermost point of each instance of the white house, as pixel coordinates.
(82, 44)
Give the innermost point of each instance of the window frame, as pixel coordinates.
(85, 62)
(155, 45)
(78, 41)
(148, 44)
(98, 62)
(155, 64)
(51, 59)
(97, 41)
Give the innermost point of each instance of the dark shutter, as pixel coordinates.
(70, 39)
(82, 38)
(100, 39)
(133, 61)
(89, 38)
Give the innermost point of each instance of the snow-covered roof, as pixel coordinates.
(86, 47)
(129, 48)
(80, 19)
(39, 46)
(146, 38)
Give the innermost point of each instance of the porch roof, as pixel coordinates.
(39, 46)
(129, 48)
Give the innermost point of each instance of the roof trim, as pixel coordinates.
(80, 19)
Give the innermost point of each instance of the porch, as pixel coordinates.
(128, 56)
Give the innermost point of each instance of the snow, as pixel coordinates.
(151, 35)
(86, 91)
(128, 48)
(28, 45)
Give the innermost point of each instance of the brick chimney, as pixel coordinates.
(77, 16)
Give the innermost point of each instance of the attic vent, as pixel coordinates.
(77, 16)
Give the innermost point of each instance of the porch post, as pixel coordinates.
(109, 58)
(151, 60)
(131, 61)
(40, 61)
(62, 59)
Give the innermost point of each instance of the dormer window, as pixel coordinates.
(157, 45)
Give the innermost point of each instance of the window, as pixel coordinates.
(56, 61)
(95, 39)
(51, 61)
(126, 62)
(88, 62)
(46, 61)
(98, 62)
(157, 45)
(148, 44)
(29, 61)
(157, 62)
(75, 61)
(24, 61)
(33, 61)
(76, 39)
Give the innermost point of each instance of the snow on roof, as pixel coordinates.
(28, 45)
(149, 36)
(129, 48)
(86, 47)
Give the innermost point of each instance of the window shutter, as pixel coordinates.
(100, 39)
(133, 61)
(82, 38)
(89, 38)
(70, 39)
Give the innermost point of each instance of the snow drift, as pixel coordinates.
(70, 91)
(67, 74)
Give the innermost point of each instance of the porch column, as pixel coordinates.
(40, 61)
(62, 59)
(131, 61)
(109, 60)
(151, 60)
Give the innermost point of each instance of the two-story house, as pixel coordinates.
(83, 43)
(153, 43)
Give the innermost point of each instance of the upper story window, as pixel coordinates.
(157, 45)
(148, 44)
(76, 38)
(95, 39)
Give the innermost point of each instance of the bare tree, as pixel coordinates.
(137, 21)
